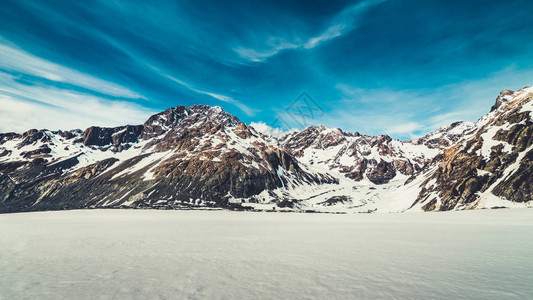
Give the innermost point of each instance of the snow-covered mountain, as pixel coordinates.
(197, 156)
(377, 159)
(491, 165)
(203, 157)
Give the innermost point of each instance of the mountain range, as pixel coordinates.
(201, 157)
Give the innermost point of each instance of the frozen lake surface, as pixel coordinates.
(134, 254)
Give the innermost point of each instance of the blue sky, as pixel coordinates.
(394, 67)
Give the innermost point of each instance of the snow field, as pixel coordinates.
(139, 254)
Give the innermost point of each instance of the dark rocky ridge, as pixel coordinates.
(117, 136)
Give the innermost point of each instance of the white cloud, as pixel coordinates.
(404, 129)
(341, 24)
(412, 113)
(261, 55)
(24, 107)
(17, 60)
(332, 32)
(265, 129)
(247, 110)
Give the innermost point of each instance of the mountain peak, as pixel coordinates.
(504, 96)
(162, 122)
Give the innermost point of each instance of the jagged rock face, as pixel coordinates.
(376, 158)
(32, 136)
(26, 142)
(69, 134)
(381, 172)
(117, 136)
(518, 187)
(4, 137)
(228, 176)
(317, 137)
(501, 99)
(42, 150)
(446, 136)
(182, 117)
(405, 167)
(160, 123)
(494, 160)
(180, 127)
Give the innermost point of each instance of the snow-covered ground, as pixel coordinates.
(135, 254)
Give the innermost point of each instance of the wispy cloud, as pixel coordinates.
(403, 75)
(260, 55)
(341, 24)
(29, 100)
(17, 60)
(23, 107)
(405, 129)
(331, 33)
(408, 114)
(18, 115)
(268, 130)
(247, 110)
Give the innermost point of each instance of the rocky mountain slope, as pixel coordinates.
(203, 157)
(489, 166)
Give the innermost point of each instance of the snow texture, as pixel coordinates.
(134, 254)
